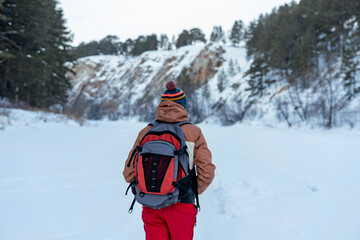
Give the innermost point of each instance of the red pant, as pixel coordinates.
(175, 222)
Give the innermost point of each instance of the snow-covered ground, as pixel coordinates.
(62, 181)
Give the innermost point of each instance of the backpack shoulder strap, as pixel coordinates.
(154, 123)
(183, 123)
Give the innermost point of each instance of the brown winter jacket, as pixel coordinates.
(169, 111)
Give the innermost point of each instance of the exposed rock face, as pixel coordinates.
(116, 86)
(206, 65)
(215, 82)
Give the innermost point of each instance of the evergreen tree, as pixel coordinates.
(183, 39)
(5, 16)
(206, 91)
(127, 47)
(303, 65)
(2, 15)
(109, 45)
(217, 35)
(232, 70)
(222, 80)
(139, 46)
(39, 43)
(237, 33)
(143, 44)
(173, 41)
(333, 17)
(258, 81)
(350, 62)
(164, 43)
(197, 35)
(86, 49)
(258, 37)
(151, 43)
(56, 54)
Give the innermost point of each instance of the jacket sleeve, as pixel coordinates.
(203, 162)
(129, 171)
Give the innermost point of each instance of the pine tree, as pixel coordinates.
(151, 43)
(52, 52)
(109, 45)
(237, 33)
(217, 35)
(183, 39)
(143, 44)
(173, 41)
(164, 43)
(2, 15)
(5, 16)
(350, 62)
(258, 81)
(197, 35)
(85, 49)
(127, 47)
(232, 70)
(222, 80)
(303, 65)
(39, 43)
(138, 46)
(206, 91)
(187, 38)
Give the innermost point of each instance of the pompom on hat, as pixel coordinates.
(174, 94)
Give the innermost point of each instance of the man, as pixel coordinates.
(176, 222)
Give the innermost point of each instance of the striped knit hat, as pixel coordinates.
(174, 94)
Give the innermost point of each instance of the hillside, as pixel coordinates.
(215, 79)
(116, 86)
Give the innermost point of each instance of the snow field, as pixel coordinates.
(62, 181)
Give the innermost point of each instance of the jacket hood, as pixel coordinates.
(170, 111)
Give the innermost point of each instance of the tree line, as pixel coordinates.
(111, 45)
(299, 45)
(34, 46)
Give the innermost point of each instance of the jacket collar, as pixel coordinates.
(170, 111)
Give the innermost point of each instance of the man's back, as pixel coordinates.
(168, 111)
(176, 221)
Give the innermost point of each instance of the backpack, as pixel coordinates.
(162, 170)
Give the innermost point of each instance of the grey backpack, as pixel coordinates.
(162, 174)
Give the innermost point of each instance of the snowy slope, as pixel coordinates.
(19, 118)
(62, 181)
(118, 87)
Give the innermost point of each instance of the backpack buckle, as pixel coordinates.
(132, 185)
(170, 195)
(178, 152)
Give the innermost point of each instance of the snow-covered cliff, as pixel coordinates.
(214, 79)
(116, 86)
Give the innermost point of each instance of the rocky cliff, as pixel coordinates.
(214, 79)
(117, 86)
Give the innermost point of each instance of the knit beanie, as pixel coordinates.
(174, 94)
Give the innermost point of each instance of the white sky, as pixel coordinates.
(94, 19)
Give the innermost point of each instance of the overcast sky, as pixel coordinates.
(94, 19)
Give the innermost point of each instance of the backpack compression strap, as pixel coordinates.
(133, 155)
